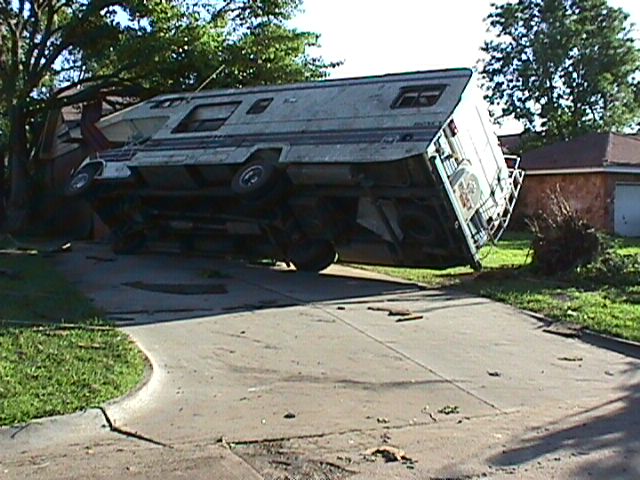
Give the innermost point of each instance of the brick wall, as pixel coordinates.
(590, 194)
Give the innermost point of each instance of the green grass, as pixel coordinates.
(606, 305)
(56, 355)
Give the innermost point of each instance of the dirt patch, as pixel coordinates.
(275, 462)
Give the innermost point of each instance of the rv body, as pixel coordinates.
(400, 169)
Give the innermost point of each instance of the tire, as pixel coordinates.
(129, 243)
(256, 179)
(420, 225)
(82, 180)
(312, 255)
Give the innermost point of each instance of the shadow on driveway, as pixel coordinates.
(167, 287)
(609, 433)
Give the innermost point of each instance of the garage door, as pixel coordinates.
(627, 210)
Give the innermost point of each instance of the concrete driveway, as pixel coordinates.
(267, 373)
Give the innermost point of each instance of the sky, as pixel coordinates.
(374, 38)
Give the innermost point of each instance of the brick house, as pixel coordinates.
(598, 174)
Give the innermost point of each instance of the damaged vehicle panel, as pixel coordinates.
(400, 169)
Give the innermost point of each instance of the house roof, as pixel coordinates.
(510, 143)
(588, 151)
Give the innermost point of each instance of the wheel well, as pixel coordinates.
(271, 155)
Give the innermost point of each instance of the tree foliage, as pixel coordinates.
(61, 52)
(563, 67)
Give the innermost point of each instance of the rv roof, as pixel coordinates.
(432, 75)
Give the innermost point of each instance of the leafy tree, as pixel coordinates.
(563, 67)
(62, 52)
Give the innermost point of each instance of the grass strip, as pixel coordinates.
(56, 354)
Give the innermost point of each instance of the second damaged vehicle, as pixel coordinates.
(399, 169)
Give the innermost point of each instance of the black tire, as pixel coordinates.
(82, 180)
(256, 179)
(128, 243)
(312, 255)
(420, 224)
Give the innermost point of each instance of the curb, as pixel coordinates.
(46, 431)
(124, 407)
(601, 340)
(86, 423)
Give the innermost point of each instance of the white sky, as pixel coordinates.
(404, 35)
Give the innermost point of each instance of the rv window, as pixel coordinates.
(206, 118)
(418, 96)
(259, 106)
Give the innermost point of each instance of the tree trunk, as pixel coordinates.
(19, 192)
(3, 190)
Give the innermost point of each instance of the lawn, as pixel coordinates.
(56, 355)
(607, 304)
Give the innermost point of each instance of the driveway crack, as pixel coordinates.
(130, 434)
(379, 341)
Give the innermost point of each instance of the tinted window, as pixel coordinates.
(206, 118)
(259, 106)
(418, 96)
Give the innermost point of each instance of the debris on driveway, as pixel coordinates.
(570, 359)
(449, 410)
(410, 318)
(392, 311)
(280, 460)
(388, 454)
(406, 314)
(426, 411)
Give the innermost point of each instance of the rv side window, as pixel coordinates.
(418, 96)
(206, 118)
(259, 106)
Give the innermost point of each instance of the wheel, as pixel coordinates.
(82, 180)
(256, 179)
(420, 225)
(312, 255)
(128, 243)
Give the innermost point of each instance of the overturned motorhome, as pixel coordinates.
(400, 169)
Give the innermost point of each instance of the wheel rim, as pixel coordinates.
(79, 181)
(252, 176)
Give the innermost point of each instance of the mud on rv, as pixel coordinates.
(400, 169)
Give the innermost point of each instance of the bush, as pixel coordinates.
(562, 240)
(612, 268)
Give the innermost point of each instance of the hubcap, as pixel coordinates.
(79, 181)
(251, 176)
